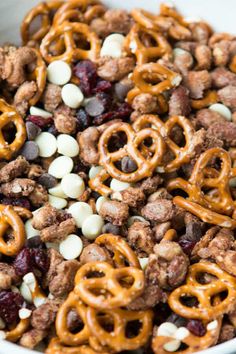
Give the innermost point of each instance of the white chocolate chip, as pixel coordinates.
(134, 218)
(2, 335)
(94, 171)
(57, 191)
(59, 72)
(80, 211)
(72, 95)
(172, 346)
(71, 247)
(92, 227)
(38, 301)
(47, 144)
(30, 280)
(29, 230)
(112, 49)
(67, 145)
(35, 111)
(179, 51)
(56, 202)
(99, 203)
(222, 110)
(61, 166)
(167, 329)
(181, 333)
(118, 186)
(212, 325)
(115, 37)
(73, 185)
(24, 313)
(143, 262)
(25, 292)
(2, 324)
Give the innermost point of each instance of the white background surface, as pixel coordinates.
(221, 14)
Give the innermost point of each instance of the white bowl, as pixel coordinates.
(219, 13)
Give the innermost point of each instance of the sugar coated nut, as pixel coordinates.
(59, 72)
(47, 144)
(71, 247)
(94, 170)
(24, 313)
(57, 191)
(92, 227)
(61, 166)
(99, 202)
(29, 230)
(80, 211)
(72, 95)
(35, 111)
(118, 186)
(56, 202)
(222, 110)
(72, 185)
(67, 145)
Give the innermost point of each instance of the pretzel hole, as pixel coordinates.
(177, 135)
(189, 301)
(57, 46)
(205, 278)
(179, 192)
(94, 274)
(222, 296)
(81, 41)
(36, 25)
(133, 328)
(117, 141)
(9, 132)
(74, 322)
(106, 322)
(147, 39)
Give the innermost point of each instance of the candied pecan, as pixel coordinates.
(58, 232)
(159, 211)
(24, 93)
(131, 196)
(160, 229)
(46, 216)
(145, 103)
(203, 57)
(115, 69)
(222, 77)
(200, 32)
(197, 82)
(227, 332)
(161, 193)
(221, 53)
(88, 141)
(19, 187)
(118, 21)
(8, 276)
(99, 26)
(64, 120)
(55, 259)
(201, 247)
(140, 237)
(13, 169)
(35, 171)
(5, 281)
(94, 253)
(206, 118)
(115, 212)
(32, 338)
(183, 62)
(179, 103)
(227, 95)
(224, 131)
(38, 196)
(52, 97)
(150, 184)
(44, 316)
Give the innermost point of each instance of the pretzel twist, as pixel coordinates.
(106, 292)
(97, 183)
(147, 79)
(40, 76)
(122, 253)
(9, 218)
(16, 333)
(10, 116)
(56, 347)
(67, 31)
(204, 293)
(116, 338)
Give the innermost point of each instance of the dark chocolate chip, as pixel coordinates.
(128, 165)
(34, 242)
(32, 130)
(94, 107)
(109, 228)
(30, 150)
(47, 180)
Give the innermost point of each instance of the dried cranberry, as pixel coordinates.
(186, 245)
(86, 71)
(29, 259)
(41, 260)
(83, 120)
(40, 121)
(196, 327)
(10, 304)
(105, 98)
(177, 320)
(21, 202)
(102, 86)
(124, 111)
(103, 118)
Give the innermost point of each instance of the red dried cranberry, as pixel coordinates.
(29, 259)
(123, 111)
(105, 98)
(41, 260)
(102, 86)
(103, 118)
(186, 245)
(10, 304)
(196, 327)
(21, 202)
(40, 121)
(86, 71)
(177, 320)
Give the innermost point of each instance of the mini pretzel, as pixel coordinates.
(204, 293)
(40, 76)
(42, 10)
(182, 154)
(56, 347)
(72, 52)
(9, 218)
(14, 334)
(133, 44)
(210, 98)
(123, 254)
(106, 292)
(206, 206)
(97, 183)
(117, 338)
(144, 76)
(146, 166)
(9, 115)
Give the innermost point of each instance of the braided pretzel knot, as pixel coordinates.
(145, 76)
(206, 206)
(72, 52)
(194, 343)
(204, 293)
(16, 333)
(9, 115)
(42, 10)
(9, 218)
(40, 76)
(182, 154)
(56, 347)
(145, 165)
(134, 45)
(106, 291)
(117, 339)
(123, 254)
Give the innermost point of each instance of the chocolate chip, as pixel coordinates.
(30, 150)
(109, 228)
(128, 165)
(34, 242)
(47, 180)
(32, 130)
(83, 119)
(94, 107)
(121, 91)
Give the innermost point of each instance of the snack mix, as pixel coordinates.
(117, 182)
